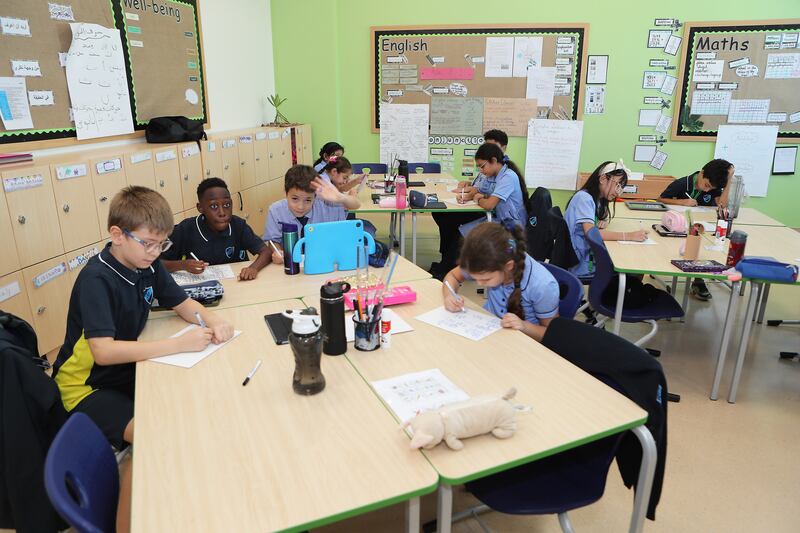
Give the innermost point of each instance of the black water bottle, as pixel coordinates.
(402, 168)
(331, 304)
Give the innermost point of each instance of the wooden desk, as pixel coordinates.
(747, 216)
(570, 407)
(212, 455)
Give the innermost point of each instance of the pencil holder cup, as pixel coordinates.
(692, 247)
(367, 333)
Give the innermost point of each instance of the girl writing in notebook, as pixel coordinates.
(521, 291)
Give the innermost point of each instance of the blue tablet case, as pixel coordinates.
(332, 245)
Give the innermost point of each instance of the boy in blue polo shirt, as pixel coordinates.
(216, 236)
(108, 309)
(309, 200)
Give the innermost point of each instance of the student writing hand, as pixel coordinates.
(512, 321)
(690, 202)
(248, 273)
(195, 340)
(222, 331)
(452, 304)
(639, 235)
(194, 267)
(276, 258)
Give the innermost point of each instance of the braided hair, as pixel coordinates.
(488, 248)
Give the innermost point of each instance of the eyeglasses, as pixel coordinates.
(150, 247)
(480, 167)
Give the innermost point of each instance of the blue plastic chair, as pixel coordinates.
(374, 168)
(81, 477)
(571, 290)
(427, 168)
(664, 306)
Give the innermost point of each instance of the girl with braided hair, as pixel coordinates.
(521, 292)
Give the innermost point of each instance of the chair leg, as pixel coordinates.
(763, 308)
(650, 334)
(685, 303)
(644, 483)
(620, 303)
(564, 522)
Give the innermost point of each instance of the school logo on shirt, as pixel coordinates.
(229, 252)
(243, 255)
(707, 198)
(533, 221)
(148, 295)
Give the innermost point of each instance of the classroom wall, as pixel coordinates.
(237, 46)
(328, 82)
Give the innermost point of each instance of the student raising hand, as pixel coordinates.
(328, 192)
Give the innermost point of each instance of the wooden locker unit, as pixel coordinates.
(108, 177)
(308, 151)
(32, 209)
(168, 180)
(212, 162)
(9, 259)
(139, 169)
(274, 191)
(48, 287)
(77, 214)
(258, 212)
(230, 164)
(14, 296)
(247, 171)
(261, 151)
(280, 151)
(191, 167)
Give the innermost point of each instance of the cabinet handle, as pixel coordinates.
(208, 172)
(247, 216)
(161, 183)
(241, 201)
(242, 163)
(258, 159)
(21, 219)
(186, 177)
(226, 167)
(104, 198)
(41, 310)
(270, 155)
(66, 208)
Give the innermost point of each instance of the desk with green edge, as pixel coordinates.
(747, 215)
(213, 455)
(570, 407)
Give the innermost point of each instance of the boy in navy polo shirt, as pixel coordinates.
(108, 310)
(309, 200)
(215, 236)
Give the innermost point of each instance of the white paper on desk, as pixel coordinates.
(398, 326)
(189, 359)
(646, 241)
(499, 57)
(411, 394)
(14, 108)
(211, 273)
(471, 324)
(454, 201)
(541, 85)
(684, 208)
(97, 82)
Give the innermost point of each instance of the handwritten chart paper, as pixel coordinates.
(541, 85)
(98, 86)
(189, 359)
(750, 149)
(404, 132)
(411, 394)
(211, 273)
(452, 115)
(553, 151)
(508, 114)
(470, 324)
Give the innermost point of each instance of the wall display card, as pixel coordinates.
(658, 38)
(644, 152)
(456, 116)
(653, 79)
(739, 62)
(12, 26)
(411, 394)
(141, 157)
(14, 108)
(60, 12)
(777, 117)
(728, 86)
(527, 53)
(649, 117)
(109, 165)
(708, 70)
(658, 160)
(562, 86)
(166, 155)
(552, 153)
(597, 70)
(789, 40)
(782, 66)
(668, 87)
(404, 132)
(710, 102)
(595, 101)
(664, 124)
(785, 160)
(508, 114)
(748, 111)
(20, 183)
(541, 85)
(499, 57)
(705, 55)
(26, 67)
(65, 172)
(751, 150)
(673, 44)
(705, 86)
(9, 291)
(49, 275)
(97, 81)
(41, 98)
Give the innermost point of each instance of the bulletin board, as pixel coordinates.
(739, 73)
(416, 64)
(159, 73)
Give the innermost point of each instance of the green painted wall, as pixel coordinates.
(322, 64)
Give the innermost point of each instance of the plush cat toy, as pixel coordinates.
(460, 420)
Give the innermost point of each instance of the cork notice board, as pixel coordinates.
(163, 59)
(412, 65)
(739, 73)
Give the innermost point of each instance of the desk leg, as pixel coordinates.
(685, 304)
(764, 297)
(748, 323)
(644, 484)
(412, 515)
(402, 216)
(444, 512)
(414, 237)
(620, 302)
(726, 335)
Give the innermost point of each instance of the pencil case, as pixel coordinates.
(402, 294)
(767, 269)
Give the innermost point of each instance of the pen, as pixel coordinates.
(252, 373)
(200, 320)
(194, 256)
(275, 248)
(450, 288)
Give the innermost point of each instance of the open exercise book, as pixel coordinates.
(410, 394)
(468, 323)
(211, 273)
(189, 359)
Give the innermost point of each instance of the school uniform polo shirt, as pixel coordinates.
(108, 300)
(687, 185)
(505, 186)
(279, 213)
(540, 293)
(215, 247)
(319, 166)
(581, 208)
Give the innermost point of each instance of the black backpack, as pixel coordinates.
(538, 231)
(174, 129)
(18, 334)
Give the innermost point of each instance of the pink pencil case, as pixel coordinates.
(402, 294)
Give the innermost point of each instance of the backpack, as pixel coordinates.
(538, 230)
(17, 334)
(174, 129)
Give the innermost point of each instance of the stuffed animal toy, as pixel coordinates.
(460, 420)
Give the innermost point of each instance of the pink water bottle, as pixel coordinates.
(400, 189)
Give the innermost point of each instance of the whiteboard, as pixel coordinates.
(404, 132)
(553, 152)
(750, 149)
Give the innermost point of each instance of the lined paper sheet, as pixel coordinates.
(470, 324)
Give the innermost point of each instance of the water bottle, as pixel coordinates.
(331, 305)
(306, 342)
(738, 240)
(400, 187)
(289, 239)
